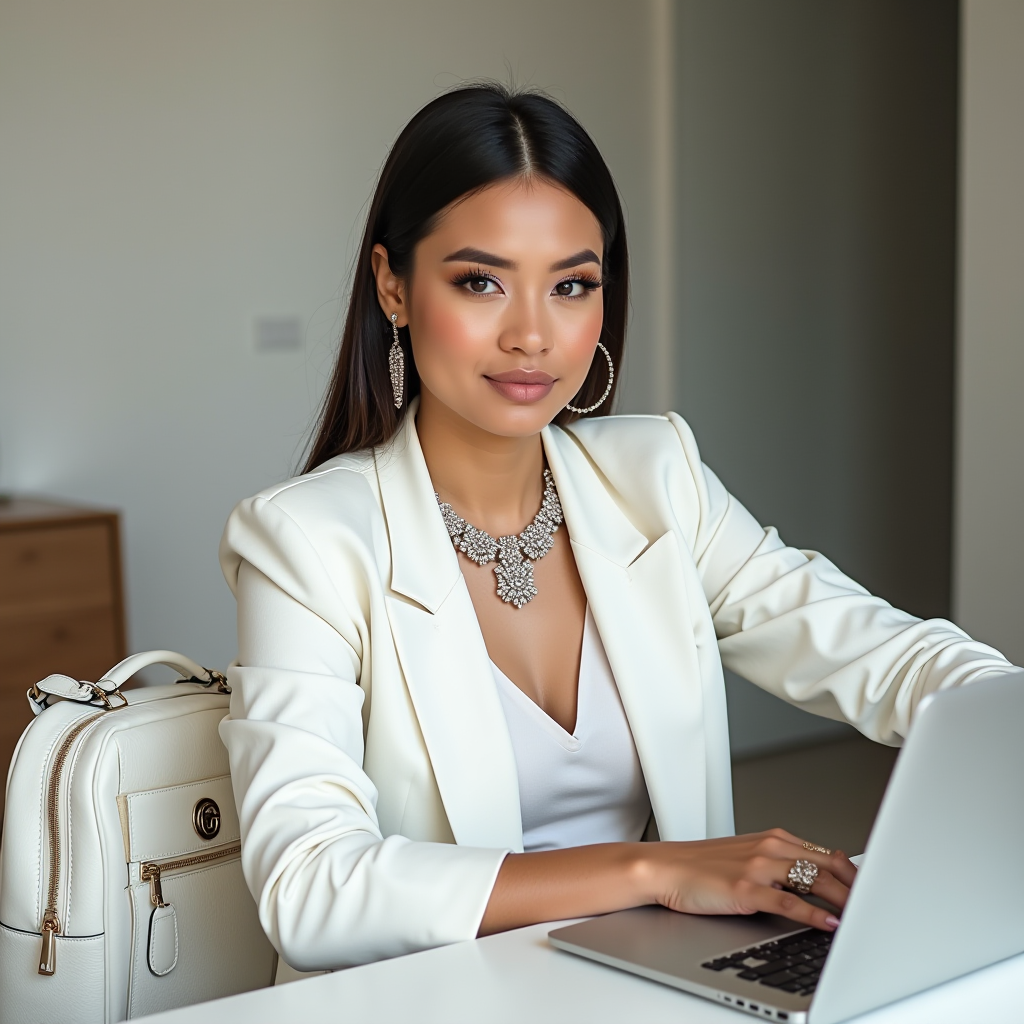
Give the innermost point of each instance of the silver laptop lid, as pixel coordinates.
(941, 892)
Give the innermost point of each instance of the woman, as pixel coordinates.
(481, 638)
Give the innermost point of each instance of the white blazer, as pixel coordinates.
(375, 780)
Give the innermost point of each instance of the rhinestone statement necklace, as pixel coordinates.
(515, 574)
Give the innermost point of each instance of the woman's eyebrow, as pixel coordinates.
(576, 260)
(471, 255)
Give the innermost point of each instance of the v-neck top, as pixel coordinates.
(583, 788)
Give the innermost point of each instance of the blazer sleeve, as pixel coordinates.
(791, 622)
(331, 890)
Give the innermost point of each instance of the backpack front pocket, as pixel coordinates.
(195, 932)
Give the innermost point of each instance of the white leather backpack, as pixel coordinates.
(121, 889)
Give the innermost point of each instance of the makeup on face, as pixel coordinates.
(482, 280)
(506, 306)
(521, 385)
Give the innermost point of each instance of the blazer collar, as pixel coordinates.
(424, 566)
(593, 518)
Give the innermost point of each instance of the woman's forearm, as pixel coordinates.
(732, 875)
(559, 884)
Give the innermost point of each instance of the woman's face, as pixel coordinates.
(504, 305)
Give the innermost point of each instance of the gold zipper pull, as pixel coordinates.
(151, 873)
(48, 954)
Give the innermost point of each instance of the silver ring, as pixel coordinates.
(802, 875)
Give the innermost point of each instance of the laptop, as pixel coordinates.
(939, 892)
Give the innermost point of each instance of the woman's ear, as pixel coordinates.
(390, 289)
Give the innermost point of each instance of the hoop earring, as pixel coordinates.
(607, 390)
(396, 363)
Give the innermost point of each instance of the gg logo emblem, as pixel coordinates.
(206, 818)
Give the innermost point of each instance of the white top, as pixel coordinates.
(584, 788)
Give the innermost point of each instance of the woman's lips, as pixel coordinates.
(521, 385)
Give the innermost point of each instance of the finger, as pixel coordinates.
(837, 862)
(843, 868)
(830, 888)
(775, 872)
(781, 833)
(789, 905)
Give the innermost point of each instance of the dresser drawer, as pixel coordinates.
(60, 602)
(82, 644)
(70, 565)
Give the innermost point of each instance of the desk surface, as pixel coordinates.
(518, 976)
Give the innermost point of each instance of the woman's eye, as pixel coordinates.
(571, 289)
(481, 285)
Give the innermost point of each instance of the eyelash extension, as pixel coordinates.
(589, 283)
(474, 275)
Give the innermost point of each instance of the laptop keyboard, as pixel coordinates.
(792, 964)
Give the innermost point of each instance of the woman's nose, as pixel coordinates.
(525, 329)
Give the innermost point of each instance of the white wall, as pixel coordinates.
(989, 561)
(169, 171)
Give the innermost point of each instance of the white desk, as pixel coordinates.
(519, 977)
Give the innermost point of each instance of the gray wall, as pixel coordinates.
(816, 213)
(989, 578)
(171, 171)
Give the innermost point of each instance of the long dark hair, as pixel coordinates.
(459, 143)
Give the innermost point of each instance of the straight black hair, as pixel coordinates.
(457, 144)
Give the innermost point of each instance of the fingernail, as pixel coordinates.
(832, 922)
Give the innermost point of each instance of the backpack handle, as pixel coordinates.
(100, 692)
(191, 670)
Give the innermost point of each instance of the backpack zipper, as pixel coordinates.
(153, 870)
(51, 927)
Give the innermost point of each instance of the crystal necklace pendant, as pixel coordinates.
(514, 553)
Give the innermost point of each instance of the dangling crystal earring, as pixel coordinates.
(396, 362)
(607, 390)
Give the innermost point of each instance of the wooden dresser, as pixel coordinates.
(61, 603)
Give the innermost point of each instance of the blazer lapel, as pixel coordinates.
(637, 594)
(444, 658)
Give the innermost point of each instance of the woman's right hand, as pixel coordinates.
(743, 875)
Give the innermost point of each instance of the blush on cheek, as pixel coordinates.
(445, 361)
(451, 335)
(451, 330)
(580, 336)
